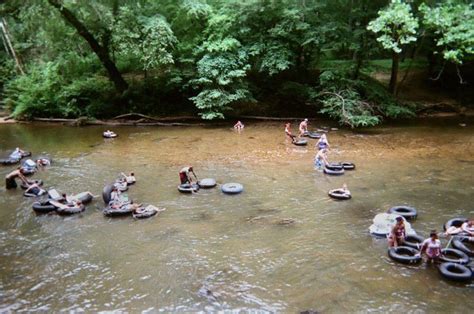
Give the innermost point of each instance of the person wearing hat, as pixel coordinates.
(303, 127)
(397, 235)
(431, 247)
(185, 175)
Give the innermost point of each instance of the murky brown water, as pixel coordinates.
(212, 251)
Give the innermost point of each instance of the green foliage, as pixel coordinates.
(356, 103)
(148, 37)
(453, 26)
(44, 92)
(396, 25)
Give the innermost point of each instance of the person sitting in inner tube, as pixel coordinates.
(17, 153)
(10, 182)
(115, 194)
(41, 163)
(322, 143)
(130, 178)
(35, 189)
(397, 234)
(303, 127)
(431, 247)
(467, 227)
(239, 126)
(185, 175)
(343, 190)
(321, 159)
(73, 204)
(288, 132)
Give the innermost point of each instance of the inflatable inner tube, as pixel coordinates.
(84, 197)
(301, 142)
(334, 166)
(34, 192)
(207, 183)
(71, 210)
(455, 222)
(24, 186)
(464, 244)
(232, 188)
(55, 195)
(405, 211)
(404, 255)
(106, 193)
(455, 272)
(348, 165)
(25, 154)
(334, 172)
(43, 207)
(125, 209)
(312, 134)
(339, 194)
(413, 241)
(454, 256)
(146, 212)
(9, 161)
(109, 135)
(188, 188)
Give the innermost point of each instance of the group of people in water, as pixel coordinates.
(431, 246)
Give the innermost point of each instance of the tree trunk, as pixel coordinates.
(101, 52)
(6, 36)
(392, 86)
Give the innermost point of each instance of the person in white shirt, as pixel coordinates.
(432, 247)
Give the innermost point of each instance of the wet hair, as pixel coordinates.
(433, 233)
(399, 218)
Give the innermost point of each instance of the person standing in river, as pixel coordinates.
(10, 182)
(303, 127)
(288, 132)
(322, 143)
(321, 159)
(185, 175)
(431, 247)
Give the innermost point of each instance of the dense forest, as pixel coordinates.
(217, 58)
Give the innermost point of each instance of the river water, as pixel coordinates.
(210, 251)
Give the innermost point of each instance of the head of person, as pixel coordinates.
(399, 220)
(22, 170)
(132, 174)
(191, 168)
(288, 124)
(306, 120)
(433, 235)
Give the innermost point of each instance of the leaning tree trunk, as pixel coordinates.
(101, 51)
(392, 86)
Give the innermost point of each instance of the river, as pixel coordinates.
(280, 246)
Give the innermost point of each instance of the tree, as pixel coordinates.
(148, 37)
(397, 26)
(100, 50)
(453, 28)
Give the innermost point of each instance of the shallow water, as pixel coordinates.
(211, 251)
